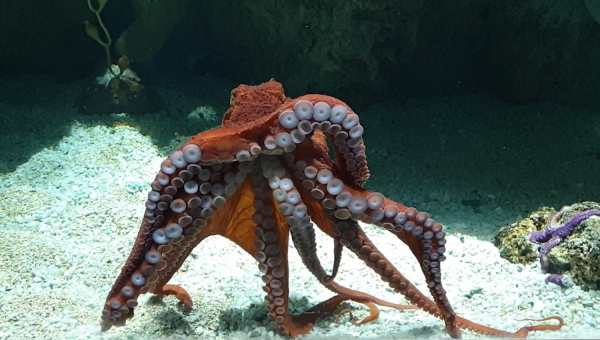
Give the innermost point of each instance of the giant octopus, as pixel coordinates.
(266, 174)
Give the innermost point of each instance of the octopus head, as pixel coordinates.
(250, 103)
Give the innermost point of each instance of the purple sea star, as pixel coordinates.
(560, 280)
(555, 233)
(556, 279)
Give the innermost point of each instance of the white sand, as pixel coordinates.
(72, 190)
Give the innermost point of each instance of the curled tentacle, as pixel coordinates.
(310, 117)
(373, 316)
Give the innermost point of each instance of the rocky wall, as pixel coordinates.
(363, 50)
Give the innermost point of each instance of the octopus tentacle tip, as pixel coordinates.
(105, 326)
(264, 175)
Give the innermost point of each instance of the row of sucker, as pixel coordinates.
(303, 235)
(291, 206)
(288, 202)
(353, 235)
(268, 253)
(338, 121)
(330, 191)
(302, 229)
(183, 199)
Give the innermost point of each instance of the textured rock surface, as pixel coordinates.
(357, 48)
(513, 240)
(577, 256)
(522, 50)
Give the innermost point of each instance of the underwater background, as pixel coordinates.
(482, 113)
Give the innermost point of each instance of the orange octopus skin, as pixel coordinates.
(266, 174)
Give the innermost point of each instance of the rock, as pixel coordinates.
(577, 257)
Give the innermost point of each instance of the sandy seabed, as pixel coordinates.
(72, 192)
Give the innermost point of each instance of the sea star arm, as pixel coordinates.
(552, 225)
(568, 227)
(555, 233)
(546, 247)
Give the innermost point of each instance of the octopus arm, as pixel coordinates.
(182, 210)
